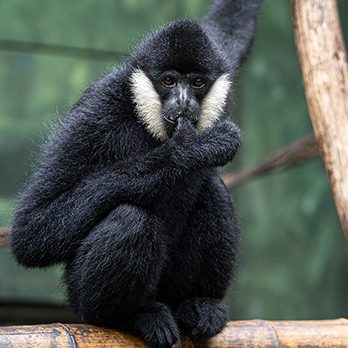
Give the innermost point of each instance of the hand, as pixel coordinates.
(214, 147)
(184, 130)
(220, 143)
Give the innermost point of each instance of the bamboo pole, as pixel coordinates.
(252, 333)
(323, 61)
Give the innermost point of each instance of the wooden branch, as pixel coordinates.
(253, 333)
(323, 60)
(4, 233)
(293, 154)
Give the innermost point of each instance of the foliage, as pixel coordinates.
(294, 258)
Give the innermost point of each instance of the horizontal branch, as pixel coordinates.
(58, 50)
(252, 333)
(293, 154)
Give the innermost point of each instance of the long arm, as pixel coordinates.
(231, 26)
(67, 195)
(47, 231)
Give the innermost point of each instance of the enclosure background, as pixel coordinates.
(294, 260)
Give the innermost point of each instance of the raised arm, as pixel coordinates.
(231, 26)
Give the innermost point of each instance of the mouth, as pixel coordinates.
(180, 117)
(174, 122)
(171, 126)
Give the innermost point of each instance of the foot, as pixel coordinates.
(155, 324)
(202, 318)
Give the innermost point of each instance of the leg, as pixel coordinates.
(117, 267)
(114, 276)
(213, 238)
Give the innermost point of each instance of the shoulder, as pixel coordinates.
(105, 96)
(102, 125)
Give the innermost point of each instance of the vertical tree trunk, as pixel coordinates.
(323, 60)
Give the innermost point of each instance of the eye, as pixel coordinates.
(198, 82)
(169, 81)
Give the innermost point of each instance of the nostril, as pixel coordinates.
(183, 103)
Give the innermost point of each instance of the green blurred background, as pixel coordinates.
(294, 259)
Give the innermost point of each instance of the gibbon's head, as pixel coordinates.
(177, 72)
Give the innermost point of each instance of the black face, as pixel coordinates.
(181, 96)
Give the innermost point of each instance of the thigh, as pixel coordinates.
(117, 266)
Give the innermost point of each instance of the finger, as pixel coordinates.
(185, 125)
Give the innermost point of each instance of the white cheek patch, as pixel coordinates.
(148, 104)
(214, 102)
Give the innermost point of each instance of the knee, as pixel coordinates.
(128, 211)
(131, 217)
(120, 251)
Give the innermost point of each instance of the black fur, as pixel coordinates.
(230, 24)
(146, 229)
